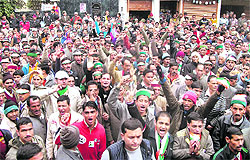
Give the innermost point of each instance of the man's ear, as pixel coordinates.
(227, 139)
(17, 133)
(122, 136)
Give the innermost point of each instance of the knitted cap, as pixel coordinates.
(144, 92)
(190, 95)
(239, 99)
(180, 54)
(9, 106)
(69, 136)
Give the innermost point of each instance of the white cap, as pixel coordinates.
(61, 74)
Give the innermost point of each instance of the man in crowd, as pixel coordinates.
(65, 116)
(132, 144)
(193, 141)
(25, 134)
(234, 147)
(237, 119)
(92, 133)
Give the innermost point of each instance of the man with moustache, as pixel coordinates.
(37, 116)
(234, 148)
(25, 134)
(65, 116)
(237, 119)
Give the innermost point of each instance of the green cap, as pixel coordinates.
(219, 46)
(203, 46)
(98, 64)
(32, 54)
(142, 53)
(144, 92)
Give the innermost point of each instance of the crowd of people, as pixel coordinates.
(106, 88)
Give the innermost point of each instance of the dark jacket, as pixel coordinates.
(169, 151)
(188, 68)
(117, 151)
(176, 109)
(219, 134)
(225, 153)
(66, 154)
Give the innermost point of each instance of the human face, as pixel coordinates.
(37, 81)
(235, 143)
(38, 156)
(157, 91)
(97, 79)
(62, 82)
(230, 64)
(187, 104)
(142, 104)
(173, 70)
(105, 80)
(66, 67)
(25, 132)
(127, 65)
(63, 107)
(203, 51)
(179, 59)
(148, 78)
(198, 91)
(35, 107)
(195, 126)
(78, 59)
(195, 59)
(9, 84)
(24, 96)
(119, 49)
(238, 111)
(92, 90)
(212, 85)
(200, 71)
(188, 82)
(132, 138)
(12, 115)
(166, 62)
(143, 57)
(32, 60)
(17, 78)
(90, 115)
(71, 81)
(162, 125)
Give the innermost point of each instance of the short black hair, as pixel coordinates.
(131, 124)
(91, 83)
(233, 131)
(146, 71)
(25, 86)
(33, 97)
(163, 114)
(63, 98)
(173, 63)
(19, 72)
(194, 116)
(45, 66)
(90, 104)
(23, 121)
(210, 77)
(27, 151)
(124, 59)
(196, 84)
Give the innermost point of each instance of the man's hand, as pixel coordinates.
(220, 89)
(159, 71)
(65, 118)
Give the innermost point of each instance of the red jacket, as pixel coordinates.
(92, 144)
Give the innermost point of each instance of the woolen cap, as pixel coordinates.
(69, 136)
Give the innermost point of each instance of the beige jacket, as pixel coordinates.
(50, 97)
(181, 145)
(8, 125)
(53, 131)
